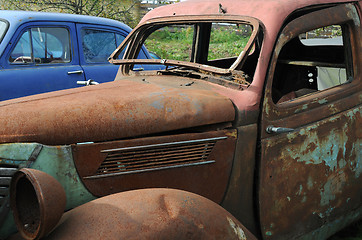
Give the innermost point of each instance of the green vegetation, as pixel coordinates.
(171, 43)
(226, 42)
(175, 43)
(325, 32)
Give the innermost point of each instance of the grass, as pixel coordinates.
(176, 43)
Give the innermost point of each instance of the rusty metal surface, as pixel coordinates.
(294, 110)
(271, 13)
(310, 178)
(209, 179)
(9, 164)
(111, 111)
(37, 201)
(239, 199)
(153, 214)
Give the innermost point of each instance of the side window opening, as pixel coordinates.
(3, 28)
(22, 52)
(42, 45)
(314, 61)
(51, 45)
(97, 45)
(120, 39)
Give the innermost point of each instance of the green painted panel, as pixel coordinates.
(58, 162)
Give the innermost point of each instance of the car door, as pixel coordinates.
(96, 44)
(40, 57)
(310, 167)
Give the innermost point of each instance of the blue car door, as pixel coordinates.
(96, 44)
(41, 57)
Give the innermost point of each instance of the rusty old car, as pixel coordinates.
(263, 143)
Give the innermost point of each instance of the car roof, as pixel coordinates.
(272, 13)
(255, 8)
(17, 18)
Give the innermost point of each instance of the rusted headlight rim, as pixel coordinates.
(29, 187)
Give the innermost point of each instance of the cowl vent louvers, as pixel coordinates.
(156, 157)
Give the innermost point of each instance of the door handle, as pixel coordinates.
(138, 69)
(75, 72)
(272, 129)
(87, 83)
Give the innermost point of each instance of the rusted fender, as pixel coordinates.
(114, 110)
(150, 214)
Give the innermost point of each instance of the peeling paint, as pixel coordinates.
(58, 162)
(237, 230)
(333, 186)
(354, 15)
(323, 101)
(300, 190)
(304, 107)
(310, 183)
(317, 155)
(158, 104)
(312, 173)
(18, 152)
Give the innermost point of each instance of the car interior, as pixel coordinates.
(312, 62)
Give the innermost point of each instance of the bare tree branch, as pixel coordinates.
(123, 10)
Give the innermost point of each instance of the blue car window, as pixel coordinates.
(97, 45)
(120, 39)
(3, 28)
(22, 51)
(51, 45)
(42, 46)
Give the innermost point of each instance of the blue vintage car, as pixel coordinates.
(42, 52)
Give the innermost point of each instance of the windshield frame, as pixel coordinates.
(137, 37)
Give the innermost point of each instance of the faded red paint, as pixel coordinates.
(208, 180)
(271, 13)
(112, 111)
(153, 214)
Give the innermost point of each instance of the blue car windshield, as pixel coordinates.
(3, 28)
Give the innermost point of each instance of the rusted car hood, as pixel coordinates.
(126, 108)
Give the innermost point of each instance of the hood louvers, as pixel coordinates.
(156, 157)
